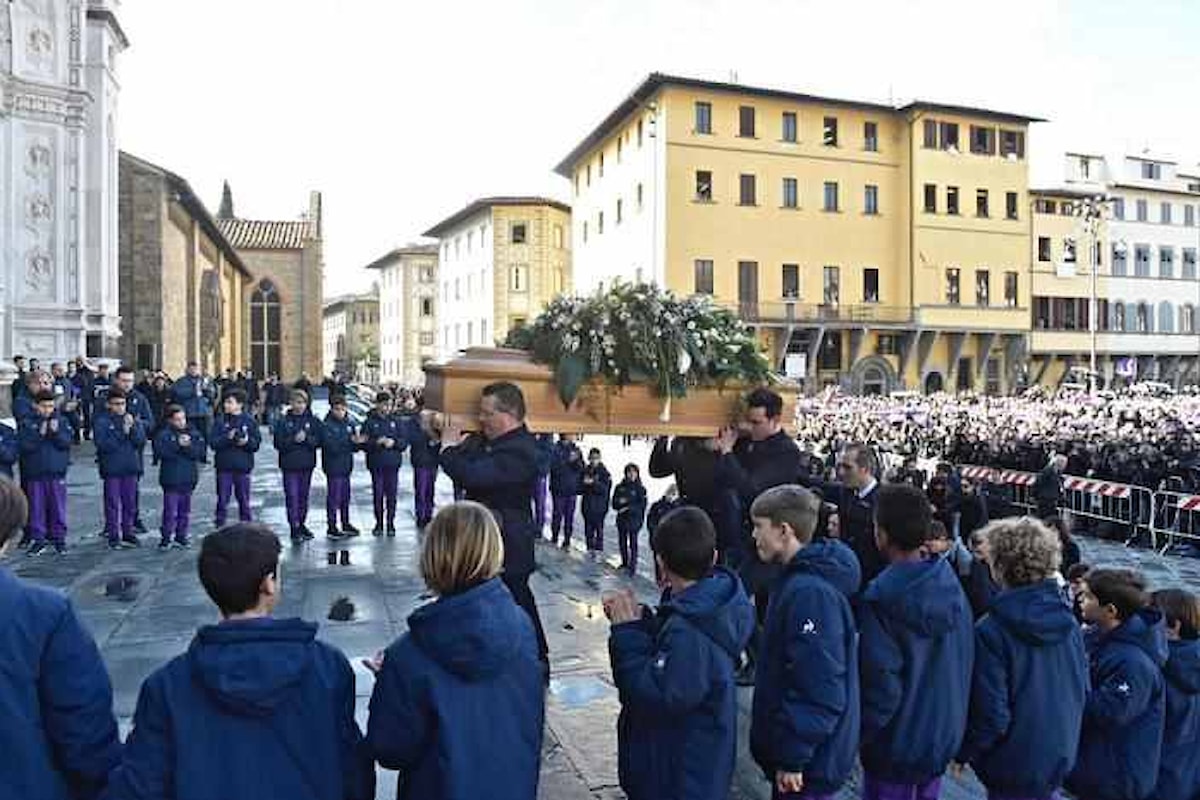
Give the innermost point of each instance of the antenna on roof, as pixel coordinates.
(733, 76)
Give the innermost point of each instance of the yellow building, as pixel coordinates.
(501, 260)
(886, 246)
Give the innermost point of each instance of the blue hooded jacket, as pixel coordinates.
(255, 708)
(119, 453)
(459, 704)
(629, 501)
(231, 456)
(596, 495)
(378, 426)
(1179, 772)
(806, 702)
(298, 456)
(179, 466)
(1119, 749)
(338, 446)
(59, 736)
(677, 732)
(1029, 657)
(188, 392)
(566, 469)
(426, 451)
(916, 648)
(44, 456)
(10, 451)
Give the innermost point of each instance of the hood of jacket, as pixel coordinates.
(833, 561)
(915, 594)
(250, 667)
(1183, 666)
(473, 634)
(718, 607)
(1144, 630)
(1035, 614)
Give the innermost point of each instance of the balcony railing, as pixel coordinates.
(788, 311)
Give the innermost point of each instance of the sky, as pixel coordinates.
(402, 111)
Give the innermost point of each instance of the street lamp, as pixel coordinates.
(1091, 212)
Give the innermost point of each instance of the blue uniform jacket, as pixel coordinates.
(59, 737)
(425, 450)
(805, 715)
(378, 426)
(137, 404)
(297, 456)
(119, 453)
(23, 407)
(1029, 657)
(1179, 772)
(44, 455)
(677, 732)
(1121, 742)
(596, 495)
(338, 447)
(459, 705)
(566, 469)
(629, 501)
(9, 450)
(188, 392)
(916, 648)
(255, 708)
(231, 456)
(179, 466)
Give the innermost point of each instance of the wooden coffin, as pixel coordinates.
(454, 389)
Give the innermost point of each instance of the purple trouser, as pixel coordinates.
(539, 502)
(874, 789)
(562, 516)
(120, 505)
(47, 509)
(337, 499)
(239, 484)
(385, 484)
(176, 514)
(627, 540)
(778, 795)
(424, 479)
(296, 485)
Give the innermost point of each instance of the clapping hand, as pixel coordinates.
(725, 439)
(128, 422)
(789, 782)
(300, 437)
(621, 606)
(53, 424)
(374, 664)
(185, 440)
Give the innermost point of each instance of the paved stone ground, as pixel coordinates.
(155, 616)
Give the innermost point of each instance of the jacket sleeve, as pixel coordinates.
(8, 447)
(880, 663)
(662, 465)
(65, 434)
(106, 438)
(165, 446)
(220, 436)
(990, 715)
(1122, 691)
(29, 437)
(146, 772)
(280, 437)
(76, 702)
(400, 721)
(255, 440)
(475, 469)
(815, 679)
(358, 765)
(199, 448)
(138, 435)
(664, 674)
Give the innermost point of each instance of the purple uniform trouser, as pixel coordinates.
(539, 502)
(874, 789)
(47, 508)
(778, 795)
(424, 479)
(176, 514)
(296, 485)
(337, 499)
(562, 517)
(120, 505)
(627, 539)
(237, 483)
(385, 484)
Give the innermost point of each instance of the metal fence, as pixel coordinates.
(1176, 519)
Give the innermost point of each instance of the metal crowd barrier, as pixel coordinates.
(1176, 519)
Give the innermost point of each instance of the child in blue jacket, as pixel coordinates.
(596, 485)
(235, 439)
(1029, 657)
(9, 450)
(629, 501)
(120, 437)
(916, 650)
(1179, 772)
(566, 472)
(674, 669)
(340, 440)
(181, 450)
(386, 439)
(297, 439)
(1121, 742)
(44, 440)
(805, 718)
(425, 444)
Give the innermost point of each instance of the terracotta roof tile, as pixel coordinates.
(248, 234)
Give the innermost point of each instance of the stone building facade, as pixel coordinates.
(351, 336)
(183, 286)
(283, 311)
(408, 307)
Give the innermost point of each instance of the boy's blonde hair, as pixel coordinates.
(1022, 551)
(463, 548)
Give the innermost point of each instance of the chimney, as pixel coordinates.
(314, 213)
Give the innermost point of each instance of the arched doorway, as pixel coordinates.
(873, 376)
(934, 382)
(265, 324)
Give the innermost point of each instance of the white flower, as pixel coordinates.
(685, 362)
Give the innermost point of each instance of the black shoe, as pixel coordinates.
(333, 533)
(60, 548)
(297, 536)
(183, 543)
(114, 544)
(378, 530)
(306, 533)
(37, 548)
(349, 529)
(139, 526)
(129, 540)
(391, 529)
(164, 545)
(26, 540)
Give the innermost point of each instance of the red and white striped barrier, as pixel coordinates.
(994, 475)
(1190, 503)
(1102, 488)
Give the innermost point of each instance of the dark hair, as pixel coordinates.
(383, 397)
(337, 400)
(767, 400)
(14, 510)
(634, 467)
(861, 455)
(937, 530)
(42, 397)
(1123, 589)
(595, 451)
(902, 511)
(236, 394)
(1077, 571)
(795, 505)
(686, 540)
(115, 394)
(171, 411)
(508, 398)
(233, 562)
(124, 370)
(1179, 605)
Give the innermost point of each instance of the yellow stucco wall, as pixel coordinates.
(545, 258)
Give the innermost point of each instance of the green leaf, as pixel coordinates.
(569, 376)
